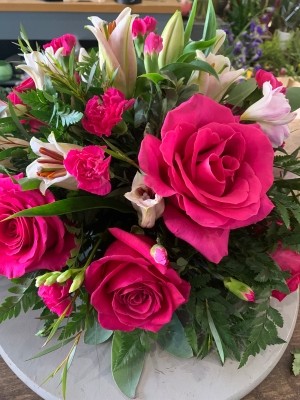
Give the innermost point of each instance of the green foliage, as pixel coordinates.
(24, 298)
(94, 333)
(296, 362)
(127, 360)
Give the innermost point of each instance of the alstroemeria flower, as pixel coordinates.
(34, 64)
(149, 205)
(208, 84)
(49, 167)
(116, 50)
(273, 114)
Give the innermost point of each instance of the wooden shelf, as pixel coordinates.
(146, 7)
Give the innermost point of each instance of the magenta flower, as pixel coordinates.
(150, 23)
(213, 172)
(67, 42)
(130, 290)
(90, 168)
(30, 244)
(153, 44)
(138, 28)
(56, 297)
(263, 76)
(102, 114)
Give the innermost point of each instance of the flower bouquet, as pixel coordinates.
(146, 196)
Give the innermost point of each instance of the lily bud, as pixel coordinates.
(173, 39)
(239, 289)
(40, 280)
(77, 282)
(159, 253)
(64, 276)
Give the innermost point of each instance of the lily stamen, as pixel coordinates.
(51, 154)
(52, 174)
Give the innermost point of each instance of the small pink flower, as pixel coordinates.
(263, 76)
(139, 28)
(239, 289)
(150, 23)
(27, 84)
(288, 260)
(90, 169)
(56, 297)
(67, 41)
(102, 114)
(153, 44)
(159, 254)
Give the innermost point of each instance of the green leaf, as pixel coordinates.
(18, 124)
(190, 22)
(94, 333)
(29, 184)
(293, 184)
(53, 348)
(215, 334)
(172, 339)
(184, 70)
(8, 152)
(210, 24)
(127, 361)
(293, 96)
(154, 77)
(200, 45)
(296, 362)
(241, 91)
(72, 204)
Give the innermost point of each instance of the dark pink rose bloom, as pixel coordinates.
(263, 76)
(288, 260)
(29, 244)
(27, 84)
(67, 41)
(153, 44)
(57, 298)
(213, 172)
(150, 23)
(130, 290)
(102, 114)
(138, 28)
(90, 168)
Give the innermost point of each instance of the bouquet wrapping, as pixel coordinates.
(146, 195)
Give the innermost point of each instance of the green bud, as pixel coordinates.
(52, 278)
(40, 280)
(77, 282)
(173, 40)
(64, 276)
(239, 289)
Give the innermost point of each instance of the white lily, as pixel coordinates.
(49, 167)
(116, 50)
(149, 205)
(35, 61)
(208, 84)
(273, 114)
(3, 109)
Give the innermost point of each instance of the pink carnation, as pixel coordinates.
(27, 84)
(213, 172)
(263, 76)
(153, 44)
(56, 297)
(90, 168)
(139, 28)
(102, 114)
(30, 244)
(150, 23)
(67, 41)
(288, 260)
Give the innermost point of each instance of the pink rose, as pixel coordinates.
(67, 41)
(288, 260)
(130, 290)
(213, 172)
(263, 76)
(27, 84)
(102, 114)
(56, 297)
(90, 168)
(29, 244)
